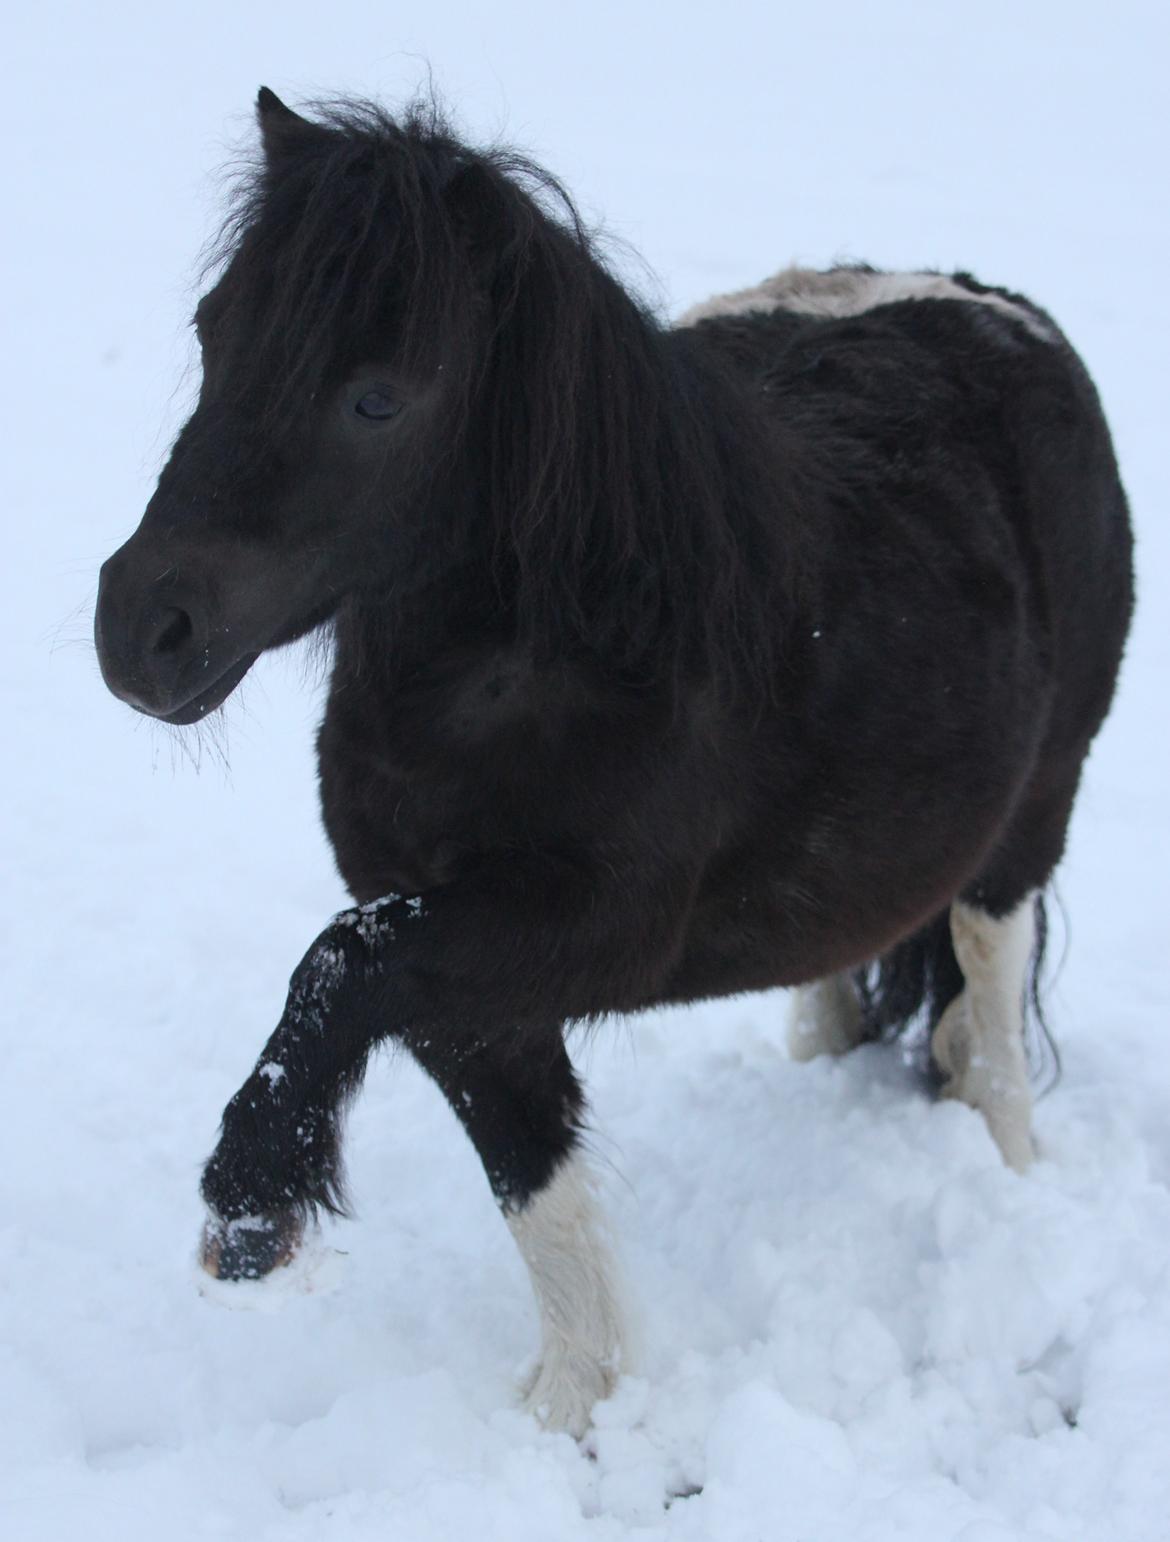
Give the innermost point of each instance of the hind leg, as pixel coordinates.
(825, 1018)
(979, 1041)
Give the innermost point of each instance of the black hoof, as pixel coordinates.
(251, 1246)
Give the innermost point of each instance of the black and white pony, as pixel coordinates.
(764, 649)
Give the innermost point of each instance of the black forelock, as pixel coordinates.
(321, 239)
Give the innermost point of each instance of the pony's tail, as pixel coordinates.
(909, 988)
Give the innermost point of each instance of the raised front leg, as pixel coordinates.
(278, 1159)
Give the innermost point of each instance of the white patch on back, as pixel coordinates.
(562, 1240)
(851, 291)
(979, 1043)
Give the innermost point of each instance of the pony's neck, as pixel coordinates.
(630, 482)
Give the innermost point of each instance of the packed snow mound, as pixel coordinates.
(852, 1321)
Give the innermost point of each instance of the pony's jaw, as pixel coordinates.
(195, 710)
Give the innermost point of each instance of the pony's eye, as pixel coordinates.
(378, 403)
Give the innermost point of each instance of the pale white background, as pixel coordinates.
(853, 1322)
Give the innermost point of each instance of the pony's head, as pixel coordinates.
(414, 363)
(337, 354)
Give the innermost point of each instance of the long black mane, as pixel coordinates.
(625, 497)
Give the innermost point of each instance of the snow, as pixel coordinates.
(853, 1322)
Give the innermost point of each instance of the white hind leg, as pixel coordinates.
(979, 1043)
(825, 1018)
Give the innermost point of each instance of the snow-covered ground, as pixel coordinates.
(854, 1323)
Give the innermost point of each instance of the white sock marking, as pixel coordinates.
(979, 1042)
(825, 1018)
(561, 1237)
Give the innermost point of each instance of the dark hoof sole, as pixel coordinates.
(249, 1247)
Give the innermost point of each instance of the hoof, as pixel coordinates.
(561, 1394)
(251, 1246)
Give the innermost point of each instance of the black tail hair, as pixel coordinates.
(910, 988)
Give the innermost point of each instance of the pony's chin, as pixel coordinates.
(195, 710)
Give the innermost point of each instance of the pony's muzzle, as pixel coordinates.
(156, 646)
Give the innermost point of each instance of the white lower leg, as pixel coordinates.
(979, 1042)
(561, 1237)
(825, 1019)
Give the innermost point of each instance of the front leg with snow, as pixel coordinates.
(278, 1157)
(486, 1024)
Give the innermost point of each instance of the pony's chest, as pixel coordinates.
(417, 787)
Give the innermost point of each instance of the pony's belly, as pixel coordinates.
(762, 923)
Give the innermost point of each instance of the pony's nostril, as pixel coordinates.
(172, 630)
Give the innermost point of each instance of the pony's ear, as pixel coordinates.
(478, 200)
(281, 129)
